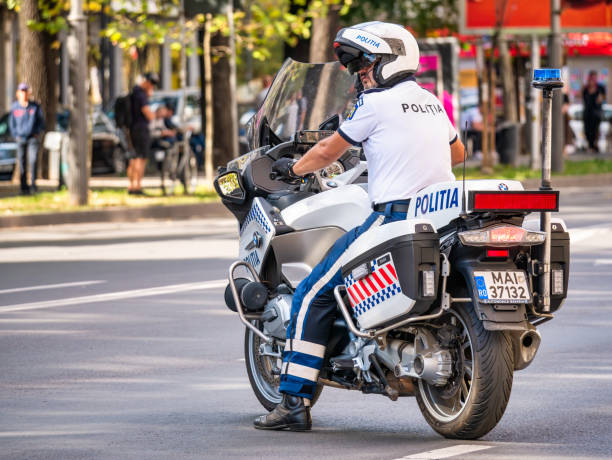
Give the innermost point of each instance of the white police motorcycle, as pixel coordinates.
(443, 306)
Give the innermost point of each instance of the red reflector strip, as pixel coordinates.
(514, 201)
(497, 253)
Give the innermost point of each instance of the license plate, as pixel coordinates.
(503, 286)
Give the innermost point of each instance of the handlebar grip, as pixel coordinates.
(274, 176)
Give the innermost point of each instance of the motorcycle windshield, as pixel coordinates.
(302, 96)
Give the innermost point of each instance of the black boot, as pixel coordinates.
(290, 413)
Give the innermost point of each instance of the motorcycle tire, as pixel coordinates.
(264, 381)
(481, 387)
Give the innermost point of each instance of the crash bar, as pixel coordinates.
(241, 314)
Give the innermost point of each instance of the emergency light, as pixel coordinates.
(525, 201)
(547, 74)
(547, 79)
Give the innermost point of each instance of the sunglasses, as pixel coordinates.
(363, 61)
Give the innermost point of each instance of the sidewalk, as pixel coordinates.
(194, 211)
(96, 182)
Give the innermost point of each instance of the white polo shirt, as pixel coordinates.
(406, 137)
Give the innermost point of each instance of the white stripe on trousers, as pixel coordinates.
(299, 324)
(298, 370)
(302, 346)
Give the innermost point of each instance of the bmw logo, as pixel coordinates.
(502, 187)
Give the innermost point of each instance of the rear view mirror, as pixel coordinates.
(331, 124)
(229, 187)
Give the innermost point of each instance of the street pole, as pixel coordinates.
(555, 53)
(232, 66)
(547, 80)
(535, 106)
(208, 141)
(183, 59)
(78, 155)
(4, 100)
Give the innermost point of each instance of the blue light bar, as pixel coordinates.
(546, 74)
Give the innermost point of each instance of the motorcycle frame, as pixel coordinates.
(446, 302)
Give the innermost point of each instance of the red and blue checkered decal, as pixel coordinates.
(381, 284)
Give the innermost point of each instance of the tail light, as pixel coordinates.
(498, 253)
(524, 201)
(502, 235)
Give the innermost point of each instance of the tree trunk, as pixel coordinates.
(222, 138)
(38, 63)
(301, 51)
(507, 72)
(79, 148)
(4, 104)
(324, 31)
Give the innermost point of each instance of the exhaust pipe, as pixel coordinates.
(525, 346)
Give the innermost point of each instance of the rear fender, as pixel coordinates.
(494, 317)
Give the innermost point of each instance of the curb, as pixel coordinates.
(178, 212)
(216, 209)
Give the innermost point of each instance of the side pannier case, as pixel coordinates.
(392, 271)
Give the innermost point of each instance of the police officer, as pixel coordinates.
(409, 143)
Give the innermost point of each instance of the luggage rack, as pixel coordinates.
(447, 300)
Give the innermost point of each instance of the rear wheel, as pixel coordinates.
(475, 398)
(264, 371)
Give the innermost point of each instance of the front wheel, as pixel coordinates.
(475, 398)
(264, 371)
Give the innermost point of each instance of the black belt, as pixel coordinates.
(396, 206)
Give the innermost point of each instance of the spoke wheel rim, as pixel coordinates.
(448, 409)
(261, 367)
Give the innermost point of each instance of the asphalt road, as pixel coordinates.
(115, 343)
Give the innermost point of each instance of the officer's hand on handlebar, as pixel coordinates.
(283, 169)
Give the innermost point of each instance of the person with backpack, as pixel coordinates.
(136, 118)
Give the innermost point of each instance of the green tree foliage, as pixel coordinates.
(422, 16)
(261, 23)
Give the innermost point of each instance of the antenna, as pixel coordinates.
(463, 213)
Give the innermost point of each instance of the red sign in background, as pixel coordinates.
(481, 16)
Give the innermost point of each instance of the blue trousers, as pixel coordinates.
(27, 164)
(313, 311)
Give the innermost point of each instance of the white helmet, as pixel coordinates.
(395, 48)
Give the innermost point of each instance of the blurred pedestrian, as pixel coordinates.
(593, 95)
(26, 122)
(568, 147)
(471, 121)
(140, 136)
(266, 82)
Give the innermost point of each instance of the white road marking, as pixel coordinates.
(603, 261)
(115, 296)
(447, 452)
(51, 286)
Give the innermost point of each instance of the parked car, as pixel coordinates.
(576, 123)
(109, 150)
(175, 100)
(8, 150)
